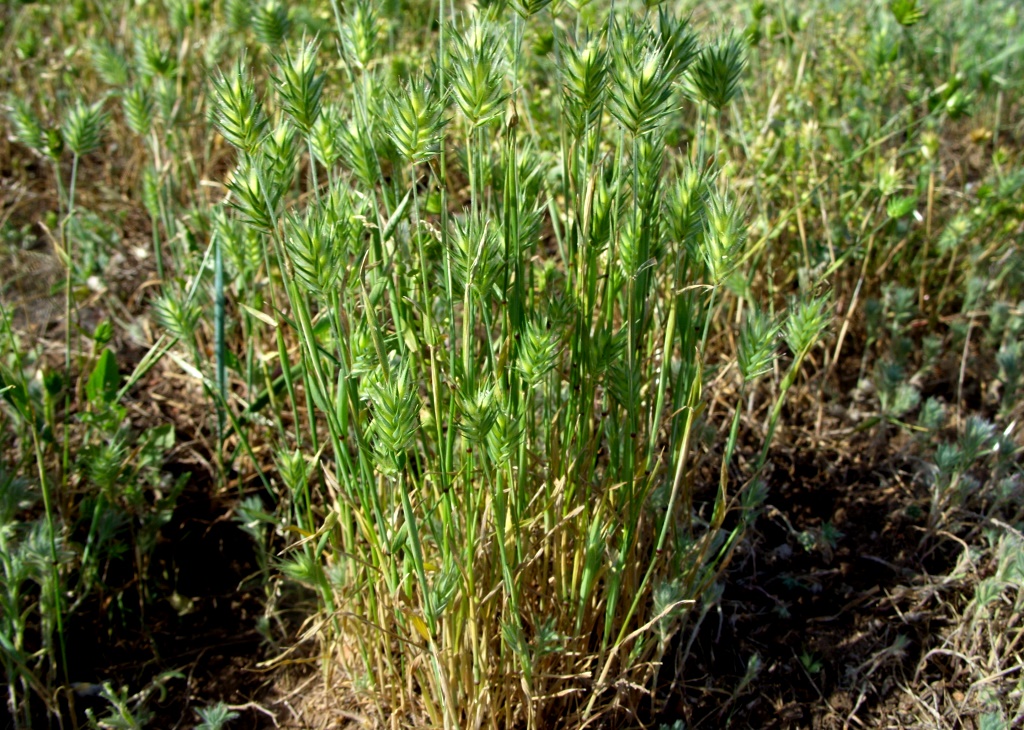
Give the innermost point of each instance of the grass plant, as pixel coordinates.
(493, 316)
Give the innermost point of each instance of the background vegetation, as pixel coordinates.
(492, 365)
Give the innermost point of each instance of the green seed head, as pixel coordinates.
(27, 128)
(314, 252)
(477, 72)
(255, 202)
(538, 353)
(138, 110)
(237, 110)
(757, 345)
(360, 32)
(715, 75)
(324, 135)
(110, 65)
(686, 206)
(807, 321)
(151, 58)
(300, 86)
(723, 239)
(237, 14)
(82, 129)
(271, 23)
(395, 407)
(584, 83)
(477, 412)
(414, 119)
(280, 149)
(645, 64)
(176, 316)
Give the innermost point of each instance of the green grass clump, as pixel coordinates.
(494, 314)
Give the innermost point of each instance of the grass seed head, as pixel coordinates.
(538, 353)
(477, 72)
(138, 107)
(271, 23)
(151, 58)
(414, 120)
(323, 135)
(176, 316)
(314, 251)
(300, 86)
(807, 321)
(26, 125)
(237, 14)
(238, 110)
(715, 75)
(109, 64)
(584, 81)
(360, 32)
(280, 149)
(255, 195)
(395, 408)
(723, 239)
(82, 128)
(757, 345)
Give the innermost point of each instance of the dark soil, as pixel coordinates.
(820, 595)
(199, 621)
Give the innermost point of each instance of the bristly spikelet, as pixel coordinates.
(323, 136)
(294, 469)
(138, 107)
(177, 317)
(538, 353)
(505, 435)
(808, 319)
(686, 207)
(257, 205)
(641, 81)
(476, 254)
(237, 14)
(723, 239)
(715, 76)
(650, 159)
(151, 191)
(414, 119)
(237, 110)
(241, 243)
(476, 412)
(528, 8)
(630, 231)
(476, 72)
(343, 214)
(300, 86)
(360, 32)
(82, 128)
(281, 151)
(271, 23)
(28, 130)
(583, 88)
(151, 59)
(181, 14)
(756, 352)
(357, 151)
(678, 41)
(108, 63)
(906, 12)
(645, 64)
(395, 408)
(314, 251)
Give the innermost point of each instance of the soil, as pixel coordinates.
(827, 618)
(204, 633)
